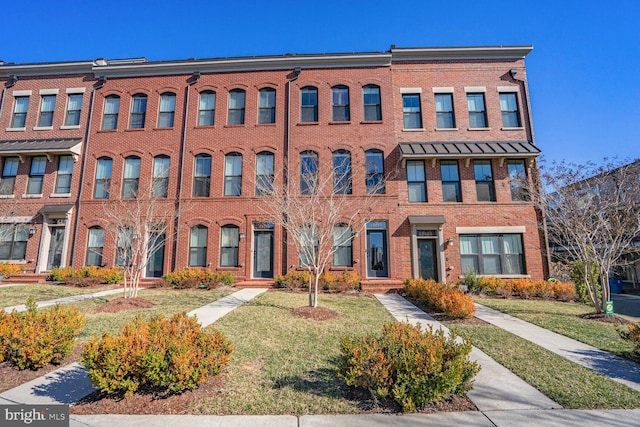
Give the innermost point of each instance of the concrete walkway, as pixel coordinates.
(65, 300)
(70, 383)
(618, 369)
(495, 388)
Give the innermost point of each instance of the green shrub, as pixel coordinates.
(449, 299)
(167, 354)
(294, 279)
(408, 365)
(631, 333)
(86, 276)
(8, 270)
(202, 278)
(577, 276)
(31, 339)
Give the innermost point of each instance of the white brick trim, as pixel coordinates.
(491, 230)
(474, 89)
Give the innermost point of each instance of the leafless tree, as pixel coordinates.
(139, 223)
(317, 209)
(592, 216)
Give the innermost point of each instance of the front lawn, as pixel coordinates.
(16, 295)
(284, 364)
(563, 318)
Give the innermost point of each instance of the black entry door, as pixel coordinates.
(156, 260)
(427, 256)
(377, 253)
(263, 254)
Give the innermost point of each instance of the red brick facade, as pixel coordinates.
(406, 225)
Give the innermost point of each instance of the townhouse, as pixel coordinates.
(448, 130)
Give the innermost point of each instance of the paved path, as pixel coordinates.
(70, 383)
(495, 388)
(618, 369)
(625, 304)
(547, 418)
(65, 300)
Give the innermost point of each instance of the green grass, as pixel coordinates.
(168, 301)
(570, 385)
(16, 295)
(562, 318)
(283, 364)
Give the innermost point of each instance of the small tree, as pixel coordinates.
(318, 210)
(139, 224)
(592, 217)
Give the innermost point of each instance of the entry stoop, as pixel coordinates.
(381, 286)
(246, 284)
(27, 278)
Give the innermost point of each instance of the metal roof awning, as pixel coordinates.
(467, 150)
(61, 208)
(47, 147)
(426, 219)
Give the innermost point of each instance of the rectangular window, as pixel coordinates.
(416, 181)
(95, 246)
(167, 110)
(202, 176)
(65, 171)
(509, 109)
(198, 246)
(74, 107)
(444, 111)
(267, 106)
(477, 112)
(490, 254)
(13, 241)
(207, 108)
(451, 191)
(308, 172)
(411, 111)
(20, 109)
(518, 180)
(47, 107)
(236, 107)
(340, 104)
(485, 188)
(124, 245)
(309, 104)
(9, 172)
(371, 99)
(138, 111)
(111, 110)
(36, 174)
(342, 172)
(342, 238)
(230, 238)
(308, 245)
(233, 174)
(103, 178)
(160, 185)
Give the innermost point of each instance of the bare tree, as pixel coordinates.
(317, 209)
(592, 216)
(139, 222)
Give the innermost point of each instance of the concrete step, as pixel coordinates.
(254, 284)
(27, 278)
(381, 286)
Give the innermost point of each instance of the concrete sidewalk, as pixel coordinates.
(70, 383)
(522, 418)
(65, 300)
(618, 369)
(495, 388)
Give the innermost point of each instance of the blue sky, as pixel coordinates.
(584, 71)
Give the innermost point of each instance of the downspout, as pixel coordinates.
(9, 83)
(538, 183)
(287, 144)
(190, 82)
(85, 149)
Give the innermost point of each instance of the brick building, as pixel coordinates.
(450, 128)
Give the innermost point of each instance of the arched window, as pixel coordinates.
(374, 164)
(103, 178)
(371, 101)
(308, 172)
(264, 173)
(138, 111)
(342, 172)
(233, 174)
(198, 246)
(340, 103)
(229, 243)
(160, 184)
(202, 175)
(95, 244)
(309, 104)
(267, 106)
(207, 108)
(167, 110)
(131, 177)
(110, 114)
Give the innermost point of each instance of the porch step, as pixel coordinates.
(244, 284)
(381, 286)
(27, 278)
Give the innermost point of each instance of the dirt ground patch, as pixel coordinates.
(123, 304)
(601, 317)
(317, 313)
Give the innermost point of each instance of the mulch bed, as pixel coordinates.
(123, 304)
(611, 318)
(317, 313)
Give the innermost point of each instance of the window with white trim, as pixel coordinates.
(13, 241)
(490, 254)
(20, 108)
(74, 108)
(9, 172)
(47, 107)
(65, 171)
(167, 110)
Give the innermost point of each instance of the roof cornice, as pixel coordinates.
(463, 52)
(46, 68)
(218, 65)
